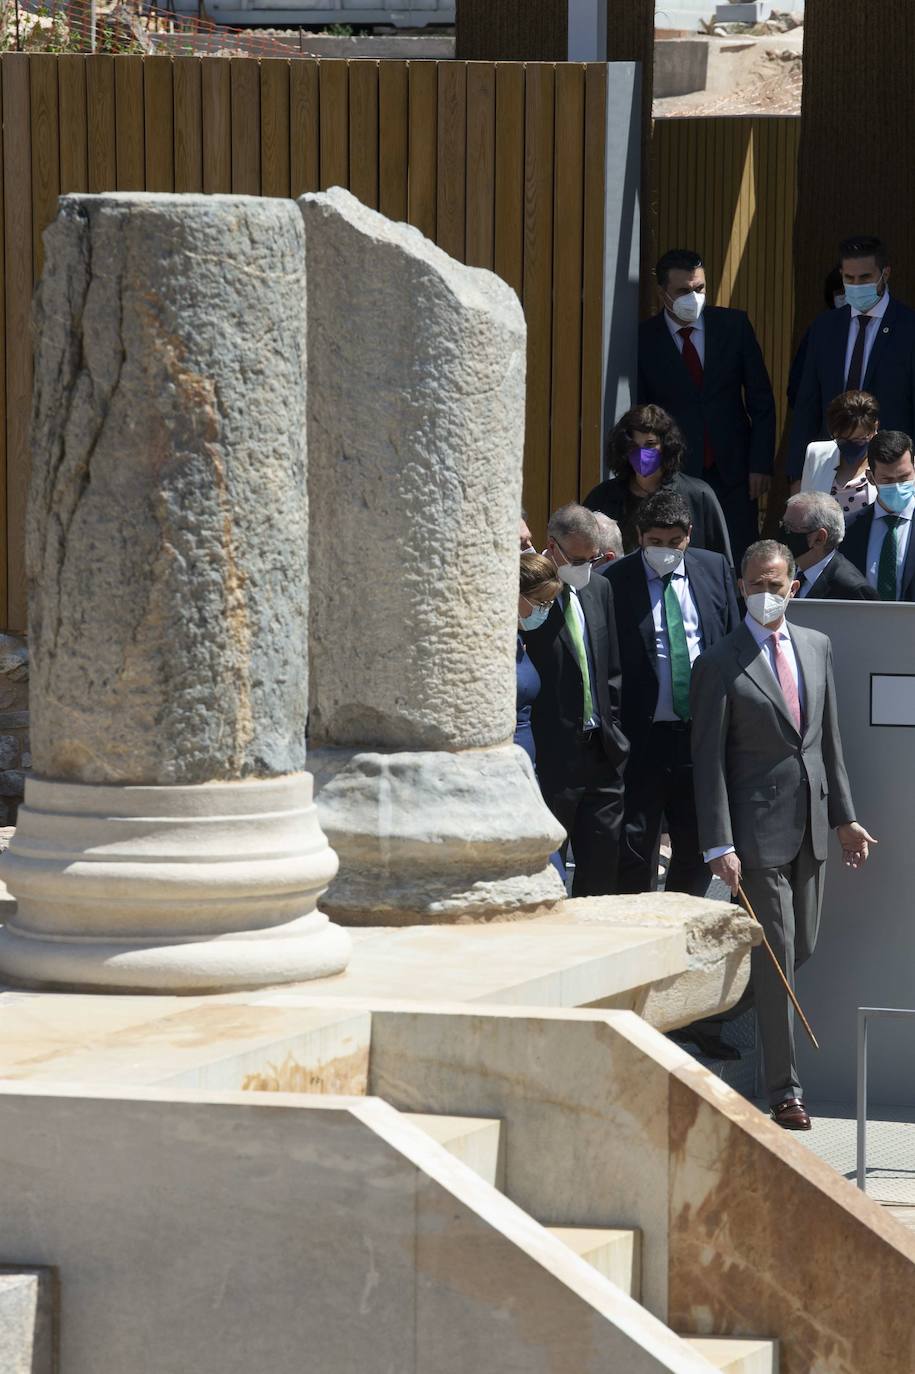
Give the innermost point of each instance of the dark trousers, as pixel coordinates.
(740, 513)
(588, 803)
(659, 783)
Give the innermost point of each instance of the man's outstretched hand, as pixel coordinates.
(855, 843)
(727, 868)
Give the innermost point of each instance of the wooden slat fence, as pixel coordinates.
(728, 188)
(501, 164)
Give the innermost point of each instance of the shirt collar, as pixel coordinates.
(761, 633)
(881, 514)
(812, 573)
(878, 311)
(676, 325)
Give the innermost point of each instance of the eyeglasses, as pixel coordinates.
(536, 605)
(578, 562)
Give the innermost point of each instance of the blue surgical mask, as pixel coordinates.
(863, 297)
(536, 618)
(896, 496)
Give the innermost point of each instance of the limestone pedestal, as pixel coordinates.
(168, 840)
(177, 889)
(416, 434)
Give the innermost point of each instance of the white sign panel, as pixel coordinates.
(892, 699)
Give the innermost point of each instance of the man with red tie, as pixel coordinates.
(770, 784)
(703, 365)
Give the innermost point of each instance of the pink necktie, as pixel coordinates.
(787, 682)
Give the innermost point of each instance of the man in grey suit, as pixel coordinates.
(770, 783)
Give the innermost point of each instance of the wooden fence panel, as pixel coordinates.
(74, 133)
(728, 188)
(275, 127)
(18, 255)
(502, 164)
(568, 227)
(188, 124)
(130, 133)
(159, 124)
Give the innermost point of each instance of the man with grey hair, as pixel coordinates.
(813, 527)
(611, 541)
(581, 749)
(770, 783)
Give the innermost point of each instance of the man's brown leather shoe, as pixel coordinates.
(791, 1115)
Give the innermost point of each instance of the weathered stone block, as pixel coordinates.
(172, 328)
(28, 1320)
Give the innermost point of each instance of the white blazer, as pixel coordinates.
(820, 465)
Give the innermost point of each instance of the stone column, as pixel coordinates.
(168, 840)
(416, 430)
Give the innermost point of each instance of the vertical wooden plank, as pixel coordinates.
(568, 209)
(393, 140)
(363, 132)
(100, 112)
(451, 207)
(333, 85)
(4, 611)
(216, 88)
(592, 324)
(159, 123)
(74, 136)
(275, 126)
(246, 126)
(188, 124)
(304, 146)
(481, 163)
(538, 289)
(45, 148)
(129, 137)
(423, 154)
(18, 264)
(509, 229)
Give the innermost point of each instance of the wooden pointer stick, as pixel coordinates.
(772, 955)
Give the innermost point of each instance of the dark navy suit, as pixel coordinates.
(659, 776)
(854, 547)
(735, 406)
(890, 376)
(581, 772)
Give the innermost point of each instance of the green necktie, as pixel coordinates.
(678, 649)
(578, 644)
(886, 568)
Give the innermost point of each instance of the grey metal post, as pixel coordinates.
(862, 1100)
(622, 227)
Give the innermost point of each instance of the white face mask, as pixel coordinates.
(663, 561)
(766, 608)
(688, 308)
(575, 577)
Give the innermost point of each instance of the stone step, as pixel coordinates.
(617, 1254)
(474, 1140)
(734, 1356)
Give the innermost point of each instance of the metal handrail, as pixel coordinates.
(864, 1014)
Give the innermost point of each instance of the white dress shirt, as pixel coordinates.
(697, 338)
(877, 536)
(594, 722)
(876, 315)
(680, 583)
(809, 575)
(763, 636)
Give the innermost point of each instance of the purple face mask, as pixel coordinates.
(645, 461)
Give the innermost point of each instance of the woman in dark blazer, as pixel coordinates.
(644, 454)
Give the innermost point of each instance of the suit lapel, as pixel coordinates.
(712, 326)
(673, 358)
(750, 657)
(641, 610)
(881, 341)
(698, 587)
(908, 567)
